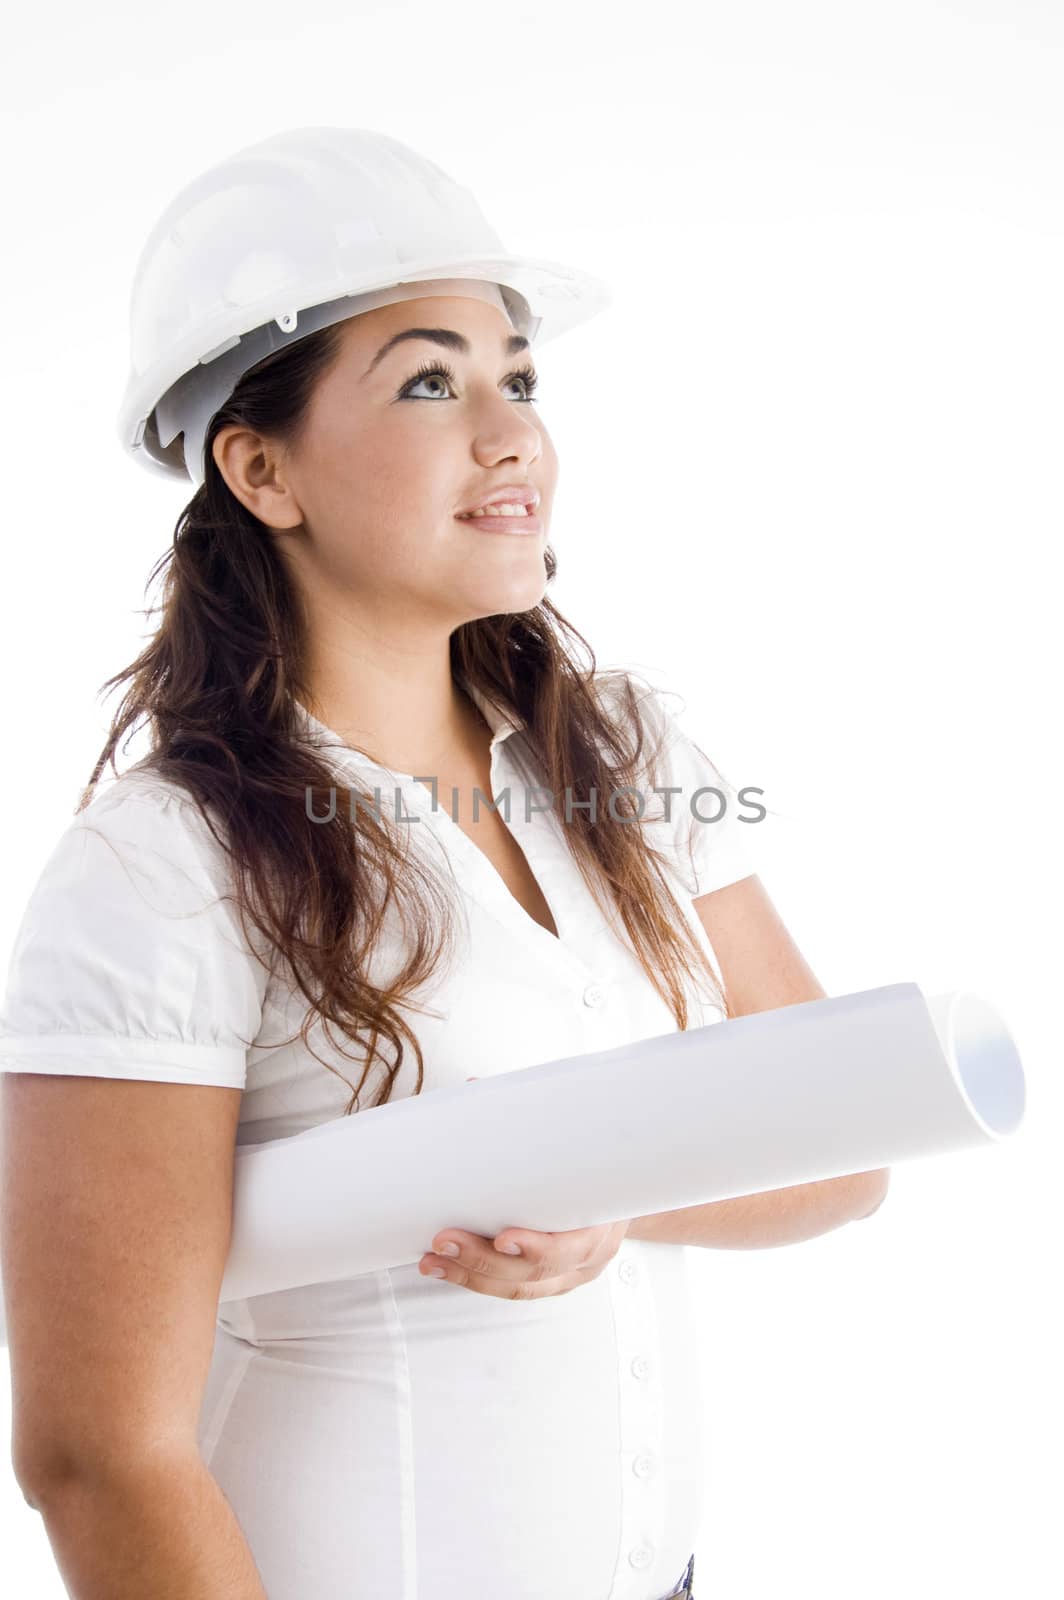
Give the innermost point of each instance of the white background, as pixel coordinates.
(810, 478)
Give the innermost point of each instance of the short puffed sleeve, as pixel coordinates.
(707, 829)
(129, 960)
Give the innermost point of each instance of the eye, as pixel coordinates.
(439, 369)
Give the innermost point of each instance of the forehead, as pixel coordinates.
(477, 319)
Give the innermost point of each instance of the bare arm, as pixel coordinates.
(164, 1529)
(763, 969)
(115, 1217)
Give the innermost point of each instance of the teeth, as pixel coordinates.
(503, 509)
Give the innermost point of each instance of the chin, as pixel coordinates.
(523, 596)
(498, 599)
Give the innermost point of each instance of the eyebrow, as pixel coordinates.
(449, 338)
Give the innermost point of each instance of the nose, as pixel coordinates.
(507, 437)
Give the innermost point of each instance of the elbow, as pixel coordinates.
(40, 1472)
(46, 1464)
(108, 1474)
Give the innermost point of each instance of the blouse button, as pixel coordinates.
(643, 1466)
(640, 1556)
(640, 1366)
(626, 1271)
(593, 995)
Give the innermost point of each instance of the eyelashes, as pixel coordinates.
(440, 369)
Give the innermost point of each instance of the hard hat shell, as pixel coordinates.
(300, 220)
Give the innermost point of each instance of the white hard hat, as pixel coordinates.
(307, 228)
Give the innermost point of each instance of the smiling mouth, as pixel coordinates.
(502, 509)
(516, 525)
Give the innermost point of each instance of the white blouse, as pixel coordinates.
(396, 1434)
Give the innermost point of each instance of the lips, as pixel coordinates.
(503, 522)
(509, 494)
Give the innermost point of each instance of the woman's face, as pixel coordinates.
(388, 458)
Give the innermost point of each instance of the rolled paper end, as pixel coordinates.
(983, 1058)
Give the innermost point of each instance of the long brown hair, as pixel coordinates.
(217, 686)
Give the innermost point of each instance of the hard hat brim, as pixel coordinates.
(559, 297)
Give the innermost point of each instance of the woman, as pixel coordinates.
(213, 956)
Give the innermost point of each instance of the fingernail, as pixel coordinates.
(448, 1249)
(509, 1249)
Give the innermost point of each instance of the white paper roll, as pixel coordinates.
(809, 1091)
(782, 1097)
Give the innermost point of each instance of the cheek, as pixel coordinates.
(357, 487)
(384, 523)
(545, 470)
(395, 475)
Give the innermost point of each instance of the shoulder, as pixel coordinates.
(141, 792)
(131, 958)
(140, 841)
(143, 808)
(635, 706)
(621, 694)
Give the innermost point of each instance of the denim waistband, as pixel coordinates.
(686, 1587)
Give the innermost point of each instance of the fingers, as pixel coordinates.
(478, 1256)
(530, 1285)
(549, 1263)
(569, 1251)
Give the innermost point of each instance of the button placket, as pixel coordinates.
(641, 1415)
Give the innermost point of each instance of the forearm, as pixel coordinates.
(774, 1217)
(167, 1532)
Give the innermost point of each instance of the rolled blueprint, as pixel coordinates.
(788, 1096)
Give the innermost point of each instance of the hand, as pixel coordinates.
(549, 1263)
